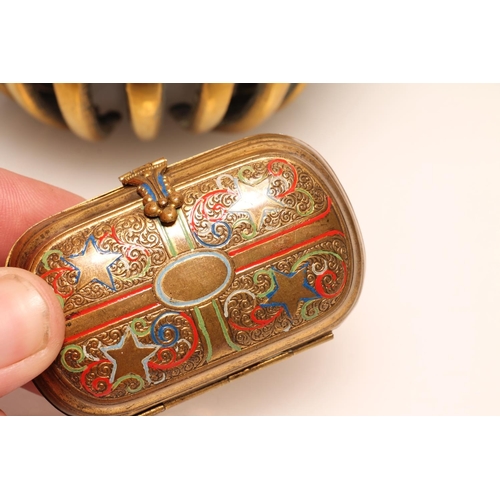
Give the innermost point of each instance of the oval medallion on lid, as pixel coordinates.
(193, 278)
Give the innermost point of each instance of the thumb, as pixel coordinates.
(31, 327)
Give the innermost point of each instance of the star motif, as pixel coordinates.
(93, 264)
(255, 201)
(291, 290)
(129, 356)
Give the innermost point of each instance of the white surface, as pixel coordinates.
(421, 166)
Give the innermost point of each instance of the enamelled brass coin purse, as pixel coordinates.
(193, 274)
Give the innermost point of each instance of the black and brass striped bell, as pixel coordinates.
(90, 110)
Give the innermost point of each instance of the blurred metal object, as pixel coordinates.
(145, 103)
(80, 114)
(38, 100)
(3, 89)
(293, 92)
(91, 110)
(212, 106)
(264, 102)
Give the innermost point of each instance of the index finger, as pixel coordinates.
(23, 203)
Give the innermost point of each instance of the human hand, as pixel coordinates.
(32, 321)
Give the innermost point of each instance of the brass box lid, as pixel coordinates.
(192, 274)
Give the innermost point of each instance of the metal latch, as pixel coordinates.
(159, 197)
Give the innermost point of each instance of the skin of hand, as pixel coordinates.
(32, 321)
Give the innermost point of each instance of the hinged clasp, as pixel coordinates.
(159, 197)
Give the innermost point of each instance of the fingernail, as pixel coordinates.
(24, 323)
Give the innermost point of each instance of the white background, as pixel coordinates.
(421, 166)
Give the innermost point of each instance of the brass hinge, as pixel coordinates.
(286, 354)
(327, 336)
(152, 411)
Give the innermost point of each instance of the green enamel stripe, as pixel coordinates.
(310, 254)
(272, 286)
(170, 245)
(143, 323)
(185, 229)
(303, 311)
(246, 235)
(81, 358)
(142, 273)
(203, 328)
(129, 389)
(47, 254)
(250, 171)
(163, 230)
(230, 343)
(311, 199)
